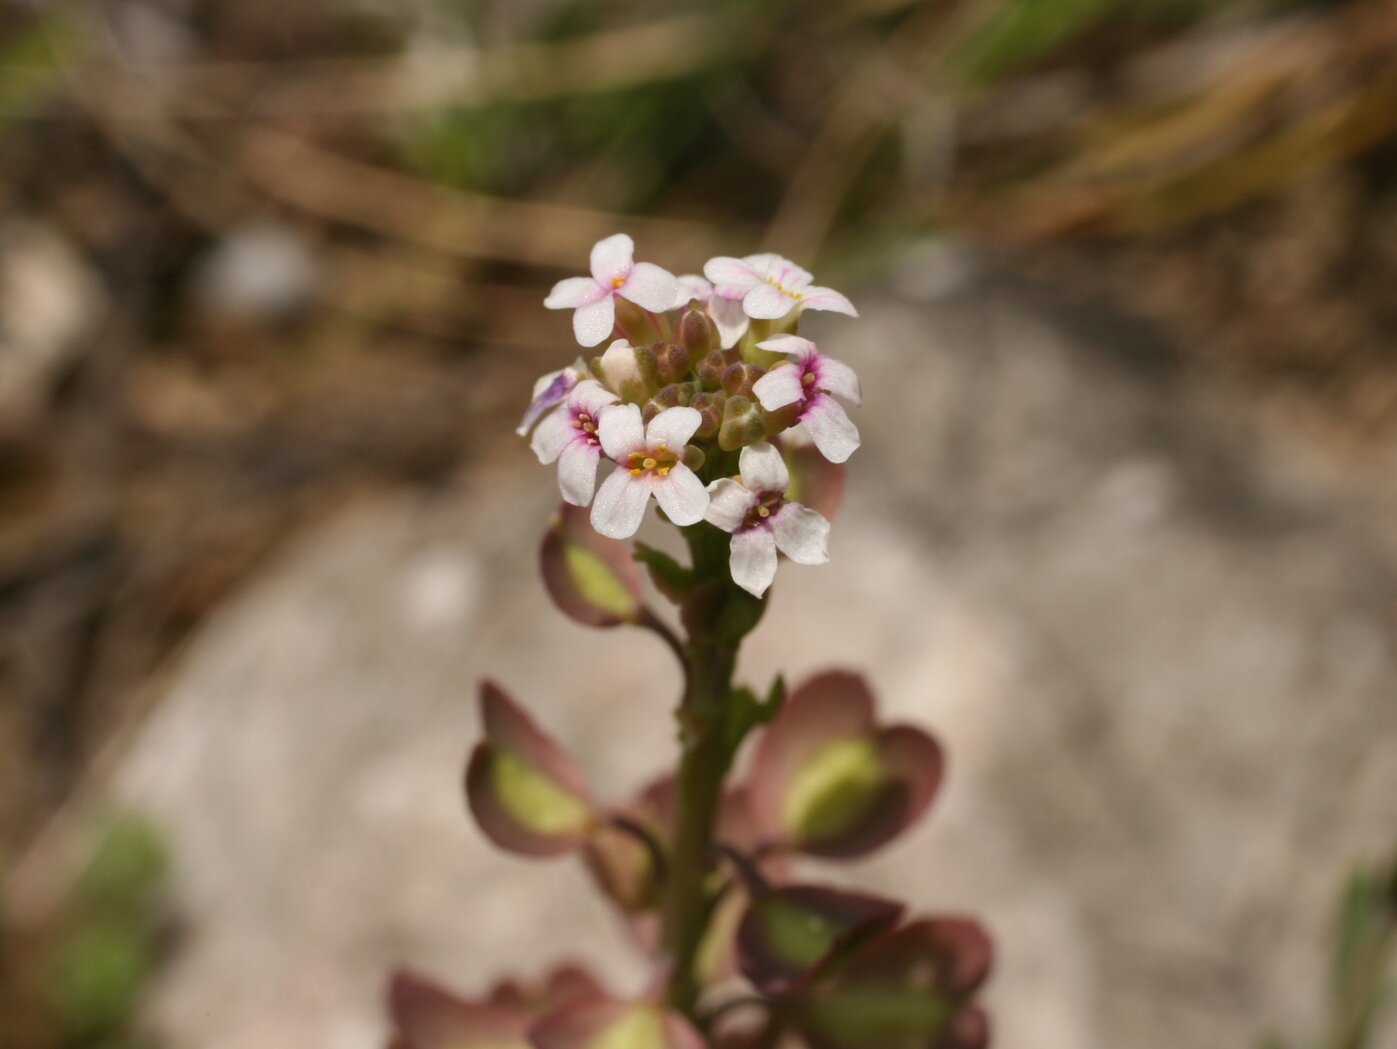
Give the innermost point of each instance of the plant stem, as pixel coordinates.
(710, 657)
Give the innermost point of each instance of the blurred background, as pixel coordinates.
(1123, 530)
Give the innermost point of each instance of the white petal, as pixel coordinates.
(552, 435)
(619, 366)
(691, 286)
(728, 504)
(827, 299)
(621, 431)
(766, 303)
(727, 272)
(620, 504)
(838, 378)
(681, 496)
(591, 324)
(780, 269)
(763, 469)
(752, 560)
(801, 534)
(792, 344)
(548, 391)
(577, 471)
(651, 287)
(728, 315)
(830, 428)
(591, 396)
(574, 292)
(611, 258)
(673, 427)
(779, 387)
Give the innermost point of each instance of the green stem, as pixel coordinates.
(710, 658)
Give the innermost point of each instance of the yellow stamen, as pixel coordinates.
(762, 511)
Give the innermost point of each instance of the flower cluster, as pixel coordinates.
(699, 400)
(707, 400)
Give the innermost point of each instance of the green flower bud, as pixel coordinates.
(697, 332)
(742, 424)
(672, 361)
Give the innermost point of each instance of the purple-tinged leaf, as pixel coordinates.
(609, 1024)
(790, 935)
(909, 989)
(828, 781)
(526, 794)
(592, 579)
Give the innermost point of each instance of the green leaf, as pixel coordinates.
(533, 799)
(670, 577)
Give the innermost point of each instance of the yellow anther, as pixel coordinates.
(762, 511)
(808, 378)
(616, 282)
(663, 471)
(650, 463)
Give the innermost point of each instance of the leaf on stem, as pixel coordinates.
(910, 987)
(610, 1024)
(526, 793)
(592, 579)
(827, 780)
(790, 935)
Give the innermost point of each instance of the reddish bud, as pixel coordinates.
(742, 424)
(672, 361)
(739, 377)
(710, 406)
(697, 332)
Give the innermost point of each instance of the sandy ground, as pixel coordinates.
(1157, 642)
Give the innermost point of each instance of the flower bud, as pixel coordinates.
(710, 406)
(624, 370)
(697, 332)
(742, 424)
(675, 395)
(694, 457)
(711, 367)
(739, 377)
(672, 361)
(635, 323)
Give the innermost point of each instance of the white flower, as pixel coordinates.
(770, 286)
(754, 509)
(808, 380)
(614, 272)
(725, 309)
(650, 461)
(569, 435)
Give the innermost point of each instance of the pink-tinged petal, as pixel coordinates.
(612, 258)
(593, 580)
(838, 378)
(815, 481)
(727, 272)
(729, 503)
(780, 269)
(577, 471)
(925, 973)
(591, 396)
(801, 534)
(621, 431)
(827, 299)
(609, 1024)
(594, 323)
(426, 1016)
(763, 469)
(672, 428)
(691, 287)
(681, 495)
(552, 435)
(779, 387)
(619, 506)
(525, 793)
(548, 391)
(752, 560)
(650, 287)
(729, 318)
(574, 293)
(766, 302)
(791, 935)
(793, 345)
(830, 427)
